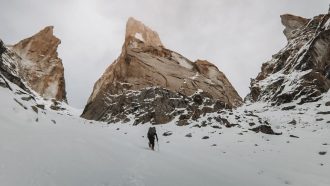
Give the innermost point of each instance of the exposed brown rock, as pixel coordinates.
(210, 71)
(135, 28)
(144, 63)
(40, 65)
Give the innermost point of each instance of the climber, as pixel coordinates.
(151, 136)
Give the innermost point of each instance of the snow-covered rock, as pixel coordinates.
(292, 23)
(9, 68)
(39, 65)
(145, 63)
(301, 70)
(16, 71)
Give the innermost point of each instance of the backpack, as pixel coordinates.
(152, 131)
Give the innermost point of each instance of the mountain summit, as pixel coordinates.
(301, 70)
(39, 64)
(138, 30)
(153, 72)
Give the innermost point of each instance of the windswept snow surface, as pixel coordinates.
(71, 151)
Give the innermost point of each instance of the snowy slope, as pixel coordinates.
(34, 150)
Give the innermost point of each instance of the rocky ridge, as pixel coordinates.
(9, 68)
(144, 63)
(10, 78)
(39, 66)
(301, 70)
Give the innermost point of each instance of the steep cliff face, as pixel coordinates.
(12, 81)
(145, 63)
(9, 68)
(39, 64)
(301, 70)
(292, 23)
(137, 29)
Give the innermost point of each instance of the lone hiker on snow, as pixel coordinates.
(151, 136)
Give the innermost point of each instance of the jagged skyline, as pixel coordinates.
(92, 33)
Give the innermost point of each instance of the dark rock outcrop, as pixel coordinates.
(301, 70)
(156, 105)
(9, 69)
(265, 129)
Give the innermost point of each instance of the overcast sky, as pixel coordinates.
(236, 35)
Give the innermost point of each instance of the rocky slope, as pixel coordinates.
(144, 63)
(39, 66)
(9, 68)
(301, 70)
(33, 73)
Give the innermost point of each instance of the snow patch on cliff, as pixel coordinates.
(182, 61)
(139, 36)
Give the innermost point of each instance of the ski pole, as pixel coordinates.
(158, 145)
